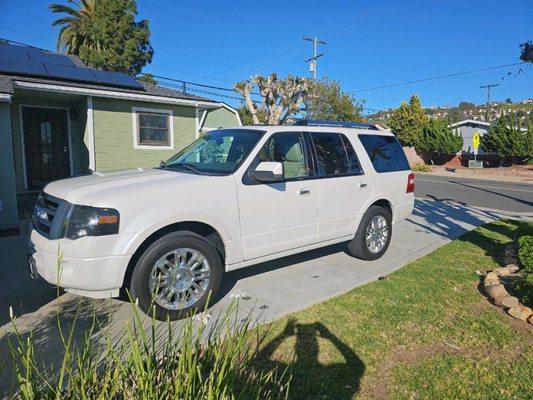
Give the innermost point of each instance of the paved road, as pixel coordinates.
(508, 196)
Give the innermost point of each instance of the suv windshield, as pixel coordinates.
(218, 152)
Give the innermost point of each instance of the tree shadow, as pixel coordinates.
(312, 377)
(449, 220)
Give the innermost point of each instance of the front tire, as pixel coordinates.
(373, 234)
(176, 275)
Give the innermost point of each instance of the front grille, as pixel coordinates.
(45, 214)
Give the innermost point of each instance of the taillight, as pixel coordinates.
(410, 183)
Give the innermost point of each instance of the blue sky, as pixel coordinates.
(369, 43)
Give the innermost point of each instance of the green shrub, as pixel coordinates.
(421, 168)
(150, 361)
(525, 252)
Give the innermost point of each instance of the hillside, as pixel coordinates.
(465, 110)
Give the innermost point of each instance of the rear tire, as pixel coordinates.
(176, 276)
(373, 234)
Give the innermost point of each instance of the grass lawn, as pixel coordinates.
(425, 332)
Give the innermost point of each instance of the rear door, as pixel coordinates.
(343, 189)
(392, 171)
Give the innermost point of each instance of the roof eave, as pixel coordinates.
(64, 88)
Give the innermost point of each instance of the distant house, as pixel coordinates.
(59, 118)
(467, 128)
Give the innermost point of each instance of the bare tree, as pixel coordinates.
(281, 98)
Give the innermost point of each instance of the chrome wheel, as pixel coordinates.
(180, 278)
(377, 233)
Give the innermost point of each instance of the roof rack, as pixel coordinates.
(321, 122)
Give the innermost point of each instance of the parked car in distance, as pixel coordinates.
(232, 198)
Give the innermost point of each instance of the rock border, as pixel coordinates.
(496, 292)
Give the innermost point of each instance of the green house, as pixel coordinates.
(59, 118)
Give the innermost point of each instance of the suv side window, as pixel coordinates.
(335, 154)
(385, 152)
(287, 148)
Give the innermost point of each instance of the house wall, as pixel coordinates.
(220, 117)
(77, 109)
(8, 197)
(113, 134)
(467, 132)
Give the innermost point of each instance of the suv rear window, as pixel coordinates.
(385, 152)
(334, 154)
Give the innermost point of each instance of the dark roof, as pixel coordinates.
(24, 63)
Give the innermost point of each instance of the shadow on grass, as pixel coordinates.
(311, 376)
(494, 237)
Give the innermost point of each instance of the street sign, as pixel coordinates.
(475, 141)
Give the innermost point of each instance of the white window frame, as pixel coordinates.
(134, 116)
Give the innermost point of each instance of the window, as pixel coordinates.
(385, 153)
(335, 155)
(152, 128)
(288, 149)
(218, 152)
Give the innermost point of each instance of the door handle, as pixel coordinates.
(305, 192)
(363, 185)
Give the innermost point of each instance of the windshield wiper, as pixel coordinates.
(186, 166)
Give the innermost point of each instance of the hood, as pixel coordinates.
(101, 189)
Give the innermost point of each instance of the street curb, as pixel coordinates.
(494, 178)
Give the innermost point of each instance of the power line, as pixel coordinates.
(185, 83)
(436, 77)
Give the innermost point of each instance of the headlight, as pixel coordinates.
(91, 221)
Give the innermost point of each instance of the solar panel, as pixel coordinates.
(50, 58)
(21, 66)
(72, 73)
(23, 60)
(9, 51)
(116, 78)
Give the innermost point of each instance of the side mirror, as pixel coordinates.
(268, 171)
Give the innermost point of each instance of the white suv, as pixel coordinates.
(232, 198)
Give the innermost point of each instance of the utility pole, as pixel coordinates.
(488, 87)
(312, 61)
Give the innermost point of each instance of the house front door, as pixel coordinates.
(46, 145)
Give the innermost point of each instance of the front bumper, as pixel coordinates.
(65, 263)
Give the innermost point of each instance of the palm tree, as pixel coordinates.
(73, 33)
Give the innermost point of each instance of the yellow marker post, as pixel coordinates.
(475, 141)
(475, 144)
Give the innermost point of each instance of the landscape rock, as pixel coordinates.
(491, 278)
(507, 301)
(512, 268)
(530, 319)
(520, 312)
(494, 291)
(502, 271)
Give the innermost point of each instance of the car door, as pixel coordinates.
(343, 189)
(279, 216)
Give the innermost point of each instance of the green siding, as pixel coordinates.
(8, 196)
(220, 117)
(113, 134)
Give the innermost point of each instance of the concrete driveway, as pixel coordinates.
(266, 291)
